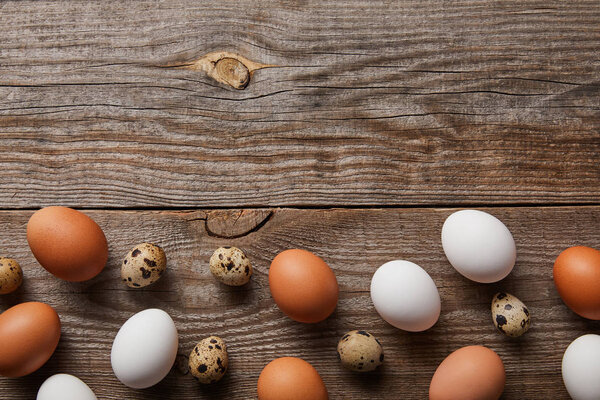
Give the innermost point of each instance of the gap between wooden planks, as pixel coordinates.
(354, 242)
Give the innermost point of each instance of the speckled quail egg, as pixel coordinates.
(360, 351)
(208, 361)
(510, 315)
(11, 275)
(143, 265)
(231, 266)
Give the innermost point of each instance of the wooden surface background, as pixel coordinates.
(378, 120)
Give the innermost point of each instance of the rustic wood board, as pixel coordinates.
(354, 242)
(372, 103)
(388, 109)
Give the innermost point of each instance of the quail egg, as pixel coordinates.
(143, 265)
(360, 351)
(510, 315)
(208, 360)
(230, 266)
(11, 275)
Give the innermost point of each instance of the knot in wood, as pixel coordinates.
(232, 224)
(233, 72)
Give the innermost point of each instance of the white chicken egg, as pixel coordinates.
(405, 296)
(581, 368)
(64, 387)
(144, 349)
(478, 245)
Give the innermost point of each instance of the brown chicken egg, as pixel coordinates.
(303, 286)
(29, 334)
(290, 378)
(472, 372)
(67, 243)
(577, 279)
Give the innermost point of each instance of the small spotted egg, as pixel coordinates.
(230, 266)
(510, 315)
(11, 275)
(360, 351)
(208, 361)
(143, 265)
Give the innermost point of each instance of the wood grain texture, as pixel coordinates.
(374, 103)
(354, 242)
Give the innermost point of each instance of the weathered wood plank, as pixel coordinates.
(374, 103)
(354, 242)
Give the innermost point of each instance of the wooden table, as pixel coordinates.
(369, 124)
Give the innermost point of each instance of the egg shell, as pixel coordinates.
(581, 368)
(577, 279)
(29, 334)
(509, 314)
(478, 245)
(405, 296)
(472, 372)
(11, 275)
(64, 387)
(230, 266)
(303, 286)
(208, 360)
(67, 243)
(143, 265)
(360, 351)
(290, 378)
(144, 349)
